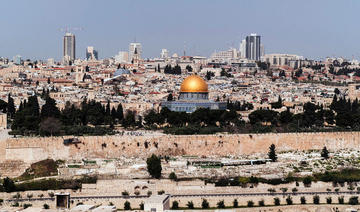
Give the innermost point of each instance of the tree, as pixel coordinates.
(316, 199)
(9, 185)
(129, 120)
(328, 200)
(303, 200)
(307, 181)
(189, 68)
(107, 111)
(221, 204)
(175, 205)
(10, 107)
(250, 203)
(119, 112)
(235, 203)
(276, 201)
(50, 126)
(325, 153)
(172, 176)
(46, 206)
(154, 166)
(127, 206)
(49, 109)
(272, 153)
(204, 204)
(341, 200)
(354, 200)
(289, 200)
(209, 74)
(170, 97)
(190, 205)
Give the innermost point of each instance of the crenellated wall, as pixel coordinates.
(33, 149)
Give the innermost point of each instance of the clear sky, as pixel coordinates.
(312, 28)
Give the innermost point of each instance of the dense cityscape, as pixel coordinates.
(241, 129)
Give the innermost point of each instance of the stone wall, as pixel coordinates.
(32, 149)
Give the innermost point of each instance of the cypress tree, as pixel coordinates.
(120, 112)
(107, 111)
(272, 153)
(10, 106)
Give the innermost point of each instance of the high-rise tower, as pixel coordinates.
(69, 47)
(253, 47)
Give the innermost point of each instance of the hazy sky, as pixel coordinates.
(312, 28)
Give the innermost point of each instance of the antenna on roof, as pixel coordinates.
(69, 29)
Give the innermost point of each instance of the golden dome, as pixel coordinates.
(193, 84)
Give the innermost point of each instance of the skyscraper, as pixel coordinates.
(253, 50)
(91, 53)
(135, 47)
(69, 47)
(243, 49)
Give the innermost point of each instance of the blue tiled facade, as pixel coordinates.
(191, 106)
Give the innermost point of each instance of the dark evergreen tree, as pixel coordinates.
(49, 109)
(325, 153)
(119, 112)
(10, 106)
(170, 97)
(108, 112)
(272, 153)
(154, 166)
(9, 185)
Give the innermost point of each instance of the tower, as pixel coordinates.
(243, 49)
(253, 49)
(91, 53)
(69, 47)
(135, 47)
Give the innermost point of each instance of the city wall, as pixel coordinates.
(32, 149)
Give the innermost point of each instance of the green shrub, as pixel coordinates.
(46, 206)
(328, 200)
(205, 204)
(221, 204)
(262, 203)
(250, 203)
(175, 205)
(235, 203)
(307, 181)
(289, 200)
(190, 205)
(303, 200)
(354, 200)
(172, 176)
(341, 200)
(127, 205)
(276, 201)
(316, 199)
(27, 205)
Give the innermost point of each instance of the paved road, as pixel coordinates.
(195, 195)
